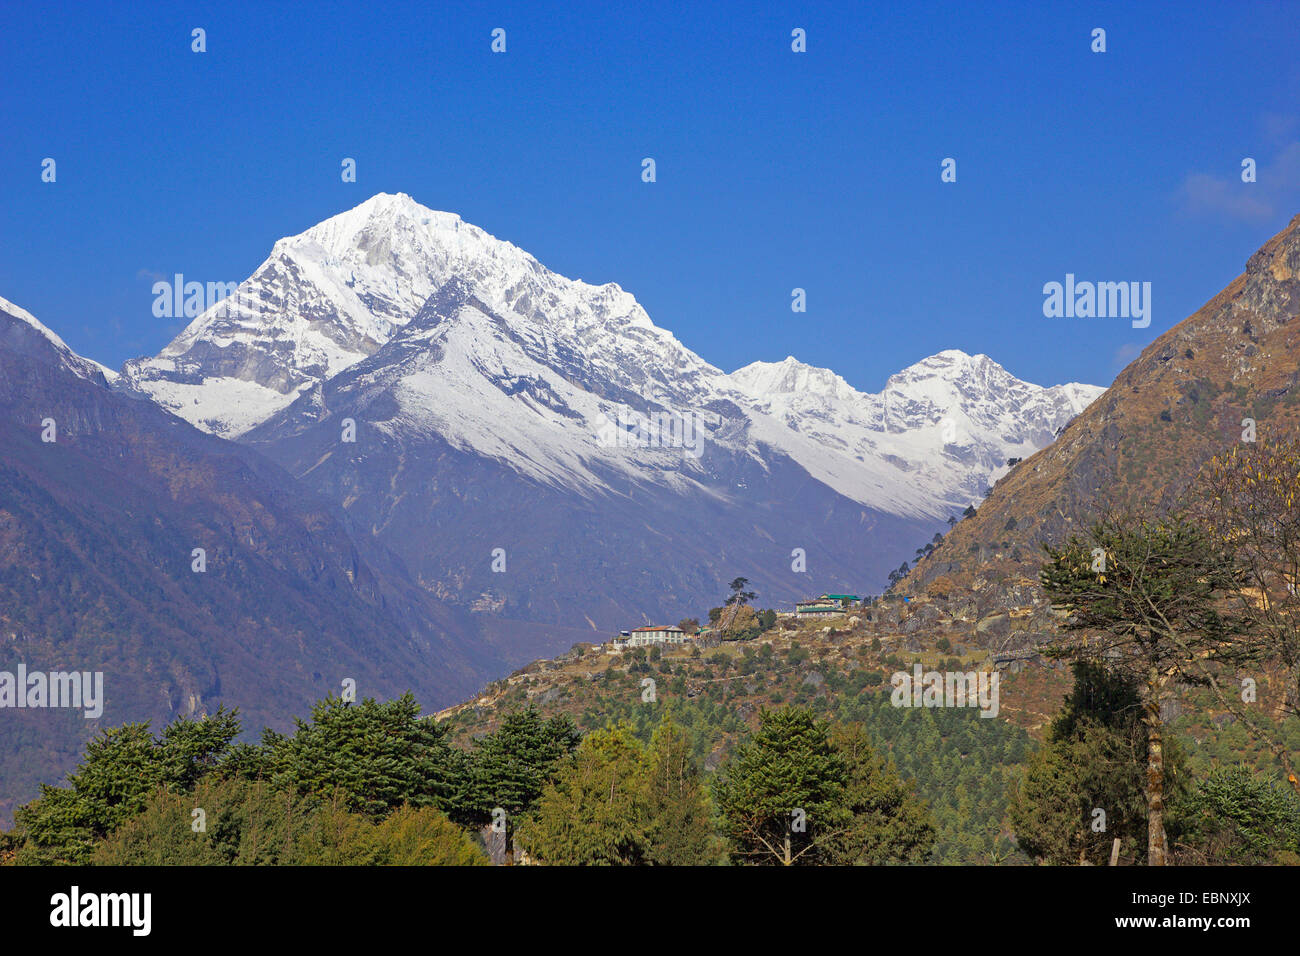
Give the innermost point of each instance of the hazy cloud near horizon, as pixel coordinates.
(1275, 192)
(1125, 354)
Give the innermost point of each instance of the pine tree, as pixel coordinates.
(595, 812)
(1145, 598)
(509, 769)
(889, 824)
(121, 770)
(1093, 759)
(782, 794)
(680, 829)
(381, 755)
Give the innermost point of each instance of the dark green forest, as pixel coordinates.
(862, 782)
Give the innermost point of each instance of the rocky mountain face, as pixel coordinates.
(536, 448)
(937, 435)
(333, 295)
(1183, 400)
(104, 499)
(449, 460)
(517, 489)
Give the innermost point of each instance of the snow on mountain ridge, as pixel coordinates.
(80, 365)
(935, 436)
(531, 368)
(334, 294)
(790, 375)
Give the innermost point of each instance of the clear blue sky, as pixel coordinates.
(775, 169)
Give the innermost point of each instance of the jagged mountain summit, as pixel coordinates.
(25, 337)
(333, 295)
(461, 402)
(480, 462)
(943, 429)
(503, 358)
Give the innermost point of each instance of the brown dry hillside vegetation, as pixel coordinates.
(1142, 442)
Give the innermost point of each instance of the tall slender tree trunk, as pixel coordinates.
(1292, 693)
(786, 861)
(1157, 848)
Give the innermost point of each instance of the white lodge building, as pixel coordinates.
(644, 636)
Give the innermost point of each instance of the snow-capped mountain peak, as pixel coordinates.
(790, 375)
(933, 438)
(336, 293)
(79, 365)
(378, 216)
(476, 341)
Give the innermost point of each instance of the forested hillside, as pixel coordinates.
(785, 747)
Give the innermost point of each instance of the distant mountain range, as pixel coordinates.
(415, 457)
(498, 405)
